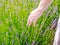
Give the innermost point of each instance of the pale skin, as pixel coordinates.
(57, 34)
(35, 14)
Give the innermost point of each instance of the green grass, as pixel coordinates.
(13, 19)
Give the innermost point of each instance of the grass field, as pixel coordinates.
(13, 19)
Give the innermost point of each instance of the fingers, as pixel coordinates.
(34, 23)
(30, 20)
(33, 17)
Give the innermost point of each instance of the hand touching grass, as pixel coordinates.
(34, 16)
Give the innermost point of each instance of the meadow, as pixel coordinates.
(13, 20)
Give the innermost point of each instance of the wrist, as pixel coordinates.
(40, 9)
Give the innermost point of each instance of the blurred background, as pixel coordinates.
(13, 19)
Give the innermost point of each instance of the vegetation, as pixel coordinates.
(13, 19)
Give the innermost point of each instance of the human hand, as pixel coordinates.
(34, 16)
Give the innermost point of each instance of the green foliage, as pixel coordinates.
(13, 19)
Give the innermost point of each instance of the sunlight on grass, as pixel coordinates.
(13, 19)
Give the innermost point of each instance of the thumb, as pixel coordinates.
(34, 23)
